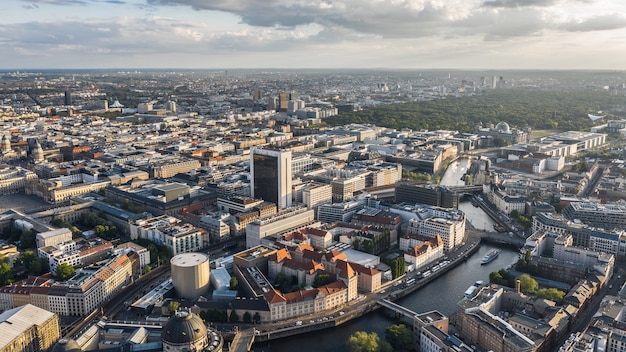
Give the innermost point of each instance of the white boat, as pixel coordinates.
(491, 256)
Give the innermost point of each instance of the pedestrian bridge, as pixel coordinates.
(399, 310)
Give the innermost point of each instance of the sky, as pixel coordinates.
(402, 34)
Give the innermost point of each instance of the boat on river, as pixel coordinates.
(489, 257)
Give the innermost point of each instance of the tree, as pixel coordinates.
(233, 283)
(515, 213)
(552, 294)
(147, 268)
(256, 318)
(28, 239)
(356, 244)
(527, 283)
(398, 267)
(361, 341)
(495, 278)
(233, 318)
(399, 337)
(64, 271)
(247, 317)
(6, 276)
(173, 307)
(321, 280)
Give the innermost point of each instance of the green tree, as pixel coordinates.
(496, 278)
(64, 271)
(6, 276)
(527, 283)
(361, 341)
(233, 283)
(515, 214)
(247, 317)
(321, 280)
(399, 337)
(233, 318)
(147, 268)
(552, 294)
(28, 239)
(398, 267)
(256, 318)
(356, 244)
(173, 307)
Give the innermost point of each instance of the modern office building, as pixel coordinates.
(270, 171)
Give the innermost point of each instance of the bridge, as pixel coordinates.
(243, 340)
(399, 310)
(466, 189)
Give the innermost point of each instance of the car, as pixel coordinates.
(311, 321)
(342, 313)
(299, 323)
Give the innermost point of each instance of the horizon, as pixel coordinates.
(317, 34)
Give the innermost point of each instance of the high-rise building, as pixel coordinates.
(272, 104)
(283, 101)
(258, 95)
(270, 171)
(68, 97)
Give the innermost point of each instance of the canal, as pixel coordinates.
(441, 294)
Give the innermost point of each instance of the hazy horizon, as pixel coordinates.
(314, 34)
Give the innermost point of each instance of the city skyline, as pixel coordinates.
(476, 34)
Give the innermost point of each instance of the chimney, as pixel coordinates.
(518, 285)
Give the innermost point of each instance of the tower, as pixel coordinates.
(68, 97)
(37, 153)
(270, 171)
(6, 144)
(282, 101)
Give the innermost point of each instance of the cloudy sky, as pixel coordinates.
(465, 34)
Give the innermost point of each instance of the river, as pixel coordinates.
(441, 294)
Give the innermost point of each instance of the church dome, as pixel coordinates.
(503, 127)
(184, 328)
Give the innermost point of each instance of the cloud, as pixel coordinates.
(520, 3)
(35, 3)
(56, 2)
(532, 3)
(596, 23)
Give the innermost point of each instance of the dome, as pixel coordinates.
(503, 127)
(183, 328)
(66, 345)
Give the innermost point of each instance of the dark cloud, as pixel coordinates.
(596, 23)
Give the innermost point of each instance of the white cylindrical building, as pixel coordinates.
(190, 274)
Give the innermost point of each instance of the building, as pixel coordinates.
(339, 212)
(426, 251)
(285, 221)
(270, 172)
(439, 196)
(607, 216)
(171, 232)
(190, 274)
(28, 329)
(54, 237)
